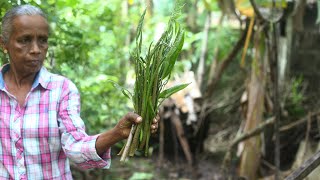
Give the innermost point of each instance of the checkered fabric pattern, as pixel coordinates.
(38, 139)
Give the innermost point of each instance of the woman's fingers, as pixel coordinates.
(155, 124)
(133, 117)
(123, 127)
(129, 119)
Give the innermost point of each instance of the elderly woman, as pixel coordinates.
(40, 123)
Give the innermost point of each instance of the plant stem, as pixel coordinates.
(128, 143)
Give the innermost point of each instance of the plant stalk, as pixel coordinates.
(128, 143)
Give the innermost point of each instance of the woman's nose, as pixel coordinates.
(35, 47)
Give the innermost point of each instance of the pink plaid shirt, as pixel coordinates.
(38, 139)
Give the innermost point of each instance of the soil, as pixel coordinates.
(207, 168)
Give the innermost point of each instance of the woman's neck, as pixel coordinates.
(19, 80)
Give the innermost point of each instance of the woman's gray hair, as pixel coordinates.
(6, 25)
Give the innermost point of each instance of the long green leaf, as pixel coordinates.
(173, 54)
(124, 91)
(168, 92)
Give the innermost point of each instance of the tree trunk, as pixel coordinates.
(298, 16)
(250, 158)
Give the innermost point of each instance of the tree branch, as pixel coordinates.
(306, 168)
(225, 63)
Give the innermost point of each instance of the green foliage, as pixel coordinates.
(168, 92)
(296, 94)
(221, 38)
(318, 5)
(271, 3)
(211, 5)
(141, 175)
(224, 39)
(88, 48)
(4, 6)
(296, 97)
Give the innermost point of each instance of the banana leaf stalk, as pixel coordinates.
(152, 74)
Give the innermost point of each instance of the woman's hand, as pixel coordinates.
(121, 131)
(123, 128)
(124, 125)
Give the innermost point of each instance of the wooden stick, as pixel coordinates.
(298, 122)
(176, 121)
(270, 121)
(247, 41)
(306, 168)
(253, 132)
(307, 134)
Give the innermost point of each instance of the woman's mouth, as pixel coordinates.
(34, 62)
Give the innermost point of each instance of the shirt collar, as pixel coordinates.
(42, 77)
(4, 69)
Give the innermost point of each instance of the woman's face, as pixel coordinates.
(28, 43)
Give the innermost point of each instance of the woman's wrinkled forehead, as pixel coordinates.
(26, 21)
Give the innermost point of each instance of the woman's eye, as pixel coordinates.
(43, 40)
(24, 40)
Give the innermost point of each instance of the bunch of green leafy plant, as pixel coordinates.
(152, 74)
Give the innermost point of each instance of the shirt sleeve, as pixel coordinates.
(78, 146)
